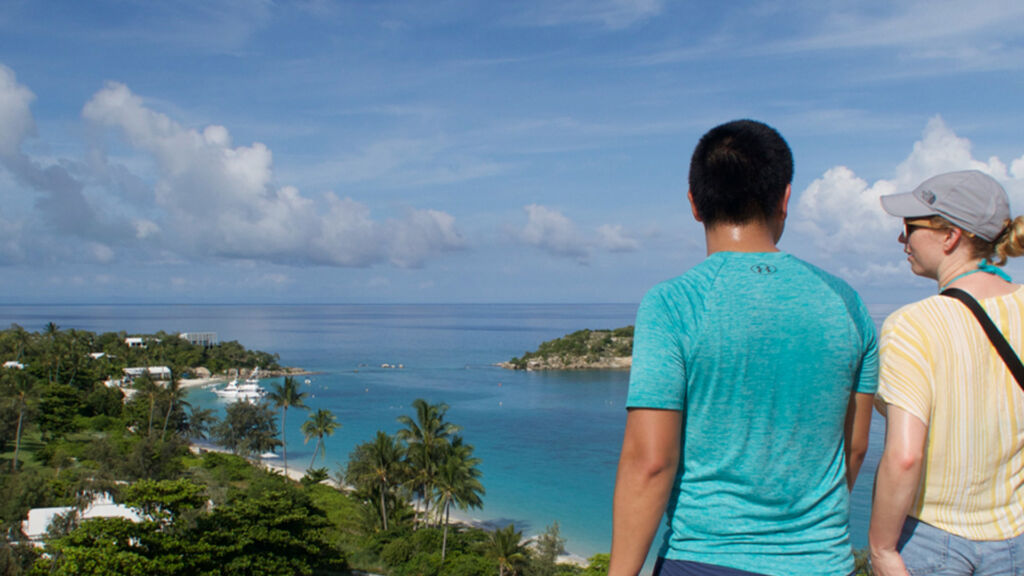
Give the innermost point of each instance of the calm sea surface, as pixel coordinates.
(549, 441)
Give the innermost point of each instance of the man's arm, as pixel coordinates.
(899, 474)
(647, 470)
(858, 427)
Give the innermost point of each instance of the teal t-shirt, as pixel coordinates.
(761, 352)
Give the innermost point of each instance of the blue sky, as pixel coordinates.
(460, 151)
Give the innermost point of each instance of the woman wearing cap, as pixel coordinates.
(949, 494)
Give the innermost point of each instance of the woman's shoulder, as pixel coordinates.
(933, 309)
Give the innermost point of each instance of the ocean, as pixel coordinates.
(548, 441)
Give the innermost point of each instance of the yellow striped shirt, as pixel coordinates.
(937, 364)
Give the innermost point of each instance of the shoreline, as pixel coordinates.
(221, 379)
(457, 516)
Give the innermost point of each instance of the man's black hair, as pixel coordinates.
(739, 173)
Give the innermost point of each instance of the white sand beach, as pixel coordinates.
(201, 382)
(457, 516)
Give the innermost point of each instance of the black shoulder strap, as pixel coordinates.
(993, 333)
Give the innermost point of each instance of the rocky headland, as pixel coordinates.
(581, 350)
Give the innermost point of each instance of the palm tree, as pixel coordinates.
(198, 423)
(376, 468)
(457, 482)
(52, 331)
(175, 394)
(285, 396)
(506, 547)
(146, 386)
(320, 423)
(426, 436)
(22, 388)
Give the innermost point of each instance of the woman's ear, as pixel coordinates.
(952, 239)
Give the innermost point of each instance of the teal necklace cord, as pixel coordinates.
(983, 266)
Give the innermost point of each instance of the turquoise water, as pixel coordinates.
(549, 441)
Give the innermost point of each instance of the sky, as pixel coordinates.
(250, 151)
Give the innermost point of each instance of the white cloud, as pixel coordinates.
(205, 197)
(101, 253)
(408, 161)
(924, 23)
(421, 234)
(16, 122)
(217, 26)
(1017, 168)
(982, 36)
(842, 215)
(10, 241)
(552, 232)
(612, 14)
(145, 228)
(614, 239)
(221, 200)
(918, 37)
(61, 203)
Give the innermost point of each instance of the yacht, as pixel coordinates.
(249, 390)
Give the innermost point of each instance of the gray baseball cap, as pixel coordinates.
(970, 199)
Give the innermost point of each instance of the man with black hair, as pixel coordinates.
(750, 391)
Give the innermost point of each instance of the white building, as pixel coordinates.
(38, 522)
(158, 372)
(135, 342)
(14, 364)
(204, 339)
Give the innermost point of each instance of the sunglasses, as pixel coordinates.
(910, 225)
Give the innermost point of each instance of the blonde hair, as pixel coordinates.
(1009, 243)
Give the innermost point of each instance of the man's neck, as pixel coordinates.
(746, 237)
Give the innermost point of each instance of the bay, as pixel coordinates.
(548, 441)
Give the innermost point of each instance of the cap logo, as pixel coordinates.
(928, 196)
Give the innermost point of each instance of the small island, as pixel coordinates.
(581, 350)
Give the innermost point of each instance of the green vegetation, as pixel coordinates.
(63, 356)
(65, 438)
(284, 396)
(580, 349)
(320, 423)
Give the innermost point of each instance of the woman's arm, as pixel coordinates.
(896, 484)
(647, 471)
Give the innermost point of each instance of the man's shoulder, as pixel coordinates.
(687, 289)
(841, 288)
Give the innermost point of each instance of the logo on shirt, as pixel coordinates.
(763, 269)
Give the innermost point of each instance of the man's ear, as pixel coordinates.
(693, 207)
(784, 207)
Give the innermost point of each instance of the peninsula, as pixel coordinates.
(581, 350)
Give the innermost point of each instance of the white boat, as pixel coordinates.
(248, 391)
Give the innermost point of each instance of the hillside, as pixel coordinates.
(581, 350)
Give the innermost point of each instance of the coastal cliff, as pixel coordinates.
(581, 350)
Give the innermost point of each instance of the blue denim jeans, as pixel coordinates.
(928, 550)
(666, 567)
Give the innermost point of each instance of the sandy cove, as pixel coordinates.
(457, 516)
